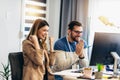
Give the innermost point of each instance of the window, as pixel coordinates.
(32, 9)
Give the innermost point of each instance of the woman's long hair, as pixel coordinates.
(38, 23)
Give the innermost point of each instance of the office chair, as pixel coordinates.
(16, 65)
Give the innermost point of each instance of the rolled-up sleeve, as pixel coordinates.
(84, 62)
(64, 60)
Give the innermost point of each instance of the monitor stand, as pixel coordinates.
(116, 62)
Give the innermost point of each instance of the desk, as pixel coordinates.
(70, 75)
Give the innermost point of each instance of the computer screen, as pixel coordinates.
(103, 45)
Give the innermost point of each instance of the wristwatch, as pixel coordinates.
(81, 57)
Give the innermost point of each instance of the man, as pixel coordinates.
(71, 49)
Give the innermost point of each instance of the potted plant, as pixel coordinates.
(98, 74)
(6, 72)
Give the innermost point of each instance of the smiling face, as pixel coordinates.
(43, 32)
(40, 29)
(75, 33)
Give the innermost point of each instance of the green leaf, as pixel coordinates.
(6, 71)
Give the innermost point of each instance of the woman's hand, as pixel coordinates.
(51, 41)
(34, 39)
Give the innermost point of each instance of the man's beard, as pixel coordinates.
(75, 38)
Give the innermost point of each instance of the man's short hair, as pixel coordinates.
(73, 23)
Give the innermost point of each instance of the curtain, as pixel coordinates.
(73, 10)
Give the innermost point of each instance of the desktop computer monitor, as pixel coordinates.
(103, 45)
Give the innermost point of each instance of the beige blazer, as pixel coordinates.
(35, 62)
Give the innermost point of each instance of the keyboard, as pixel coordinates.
(77, 71)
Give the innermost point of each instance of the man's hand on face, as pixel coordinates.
(80, 48)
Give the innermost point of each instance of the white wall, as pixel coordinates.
(108, 9)
(10, 20)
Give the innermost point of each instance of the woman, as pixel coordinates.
(36, 60)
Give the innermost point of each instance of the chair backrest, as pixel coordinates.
(16, 65)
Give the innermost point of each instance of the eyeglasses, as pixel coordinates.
(78, 32)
